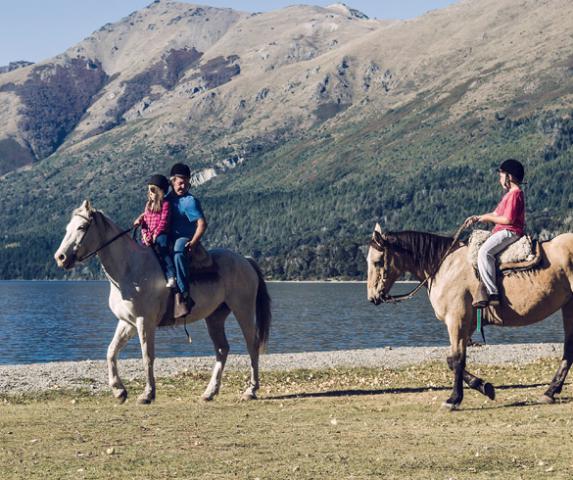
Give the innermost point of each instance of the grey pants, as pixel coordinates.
(486, 257)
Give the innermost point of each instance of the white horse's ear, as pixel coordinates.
(378, 228)
(87, 206)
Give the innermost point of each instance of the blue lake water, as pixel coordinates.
(52, 321)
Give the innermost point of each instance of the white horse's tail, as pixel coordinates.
(264, 315)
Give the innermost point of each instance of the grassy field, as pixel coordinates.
(339, 423)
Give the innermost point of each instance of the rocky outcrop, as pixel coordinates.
(54, 99)
(15, 66)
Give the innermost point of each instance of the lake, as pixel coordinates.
(44, 321)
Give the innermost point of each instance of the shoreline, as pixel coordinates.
(92, 374)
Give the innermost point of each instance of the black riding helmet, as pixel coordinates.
(180, 170)
(159, 181)
(514, 168)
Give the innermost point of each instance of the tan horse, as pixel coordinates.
(138, 297)
(527, 297)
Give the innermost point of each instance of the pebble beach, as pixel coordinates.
(92, 374)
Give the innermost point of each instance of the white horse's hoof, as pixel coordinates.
(207, 398)
(144, 400)
(120, 395)
(247, 396)
(547, 399)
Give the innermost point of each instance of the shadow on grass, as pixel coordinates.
(390, 391)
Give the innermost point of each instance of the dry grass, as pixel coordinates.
(340, 423)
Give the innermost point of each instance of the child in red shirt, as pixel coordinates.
(509, 220)
(154, 222)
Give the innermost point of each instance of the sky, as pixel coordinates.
(35, 30)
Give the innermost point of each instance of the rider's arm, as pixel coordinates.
(201, 227)
(494, 218)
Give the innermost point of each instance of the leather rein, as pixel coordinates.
(377, 243)
(101, 247)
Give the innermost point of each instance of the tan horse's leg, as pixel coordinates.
(559, 379)
(123, 332)
(476, 383)
(457, 359)
(216, 328)
(146, 331)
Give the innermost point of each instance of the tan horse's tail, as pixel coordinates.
(264, 315)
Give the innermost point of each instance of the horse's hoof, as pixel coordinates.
(451, 406)
(207, 398)
(547, 399)
(247, 396)
(144, 400)
(121, 397)
(489, 391)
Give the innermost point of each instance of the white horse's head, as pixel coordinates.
(78, 238)
(382, 271)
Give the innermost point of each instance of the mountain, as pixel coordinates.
(303, 126)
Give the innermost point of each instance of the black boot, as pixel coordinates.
(481, 297)
(180, 307)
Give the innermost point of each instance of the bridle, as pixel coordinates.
(377, 243)
(101, 247)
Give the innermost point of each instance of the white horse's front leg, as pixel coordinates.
(216, 328)
(123, 332)
(146, 331)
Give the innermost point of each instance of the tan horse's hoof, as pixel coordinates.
(451, 406)
(547, 399)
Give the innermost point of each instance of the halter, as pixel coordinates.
(101, 247)
(376, 244)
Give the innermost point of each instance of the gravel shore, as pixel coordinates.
(92, 374)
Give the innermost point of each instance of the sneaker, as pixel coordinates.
(171, 283)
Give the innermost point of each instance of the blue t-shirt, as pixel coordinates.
(185, 211)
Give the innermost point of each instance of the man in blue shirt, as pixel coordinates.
(186, 227)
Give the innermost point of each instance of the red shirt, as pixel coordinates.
(154, 223)
(512, 207)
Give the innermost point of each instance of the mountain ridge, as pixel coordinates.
(324, 121)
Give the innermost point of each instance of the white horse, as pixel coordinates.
(138, 297)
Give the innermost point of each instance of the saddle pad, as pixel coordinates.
(521, 251)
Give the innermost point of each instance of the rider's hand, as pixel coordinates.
(471, 220)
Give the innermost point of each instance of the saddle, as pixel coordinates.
(524, 254)
(202, 267)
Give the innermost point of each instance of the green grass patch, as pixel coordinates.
(334, 423)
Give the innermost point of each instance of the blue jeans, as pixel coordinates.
(181, 261)
(162, 246)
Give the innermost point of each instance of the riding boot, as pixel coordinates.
(180, 307)
(481, 297)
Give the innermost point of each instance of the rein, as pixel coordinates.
(377, 245)
(101, 247)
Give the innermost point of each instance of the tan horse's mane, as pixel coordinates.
(424, 249)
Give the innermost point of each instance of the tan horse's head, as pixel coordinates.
(76, 241)
(382, 269)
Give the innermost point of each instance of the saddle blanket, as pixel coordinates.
(520, 251)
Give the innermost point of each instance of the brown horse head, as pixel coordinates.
(382, 268)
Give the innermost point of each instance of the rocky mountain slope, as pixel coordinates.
(303, 126)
